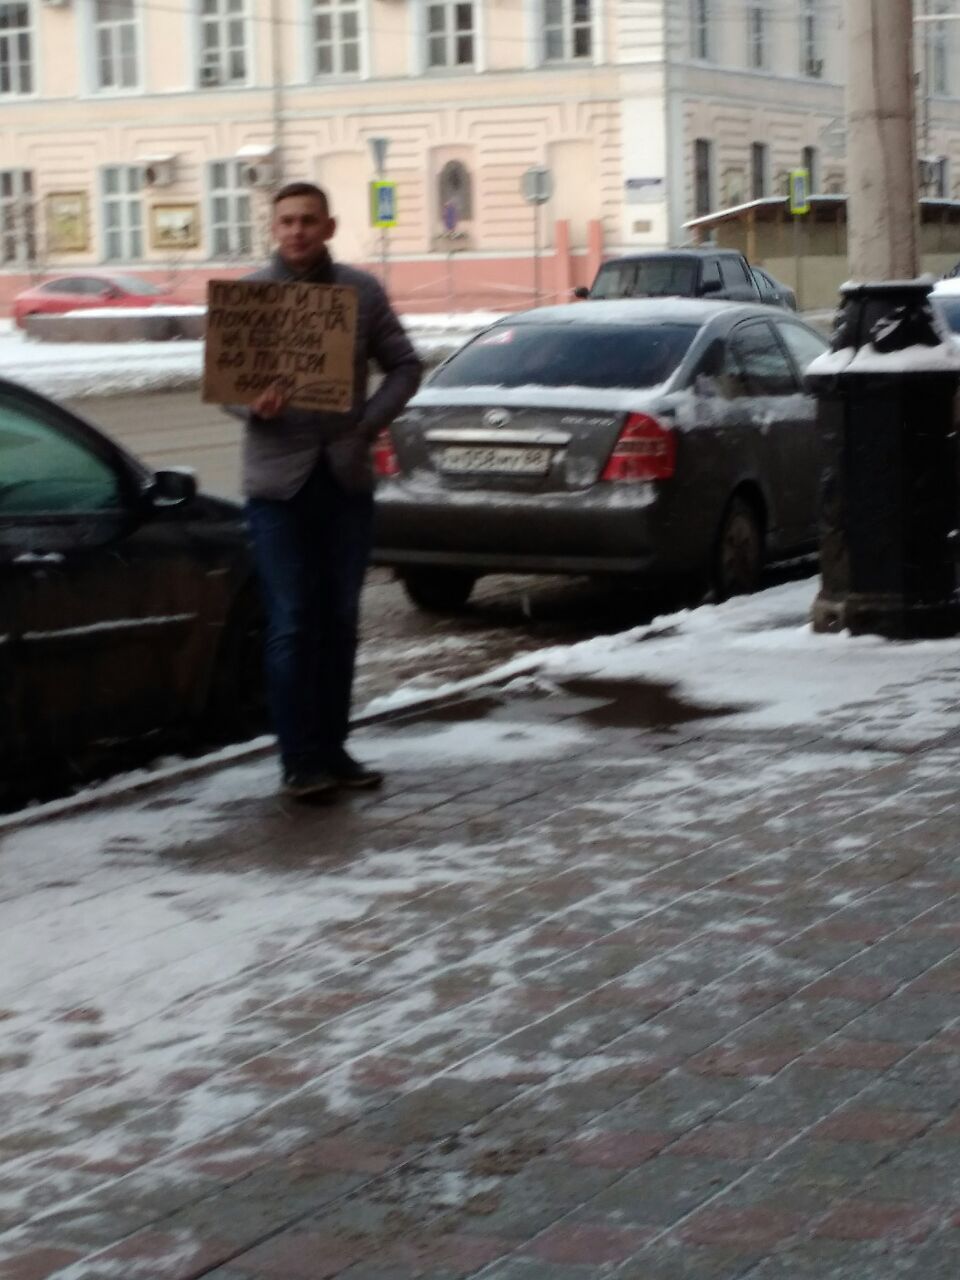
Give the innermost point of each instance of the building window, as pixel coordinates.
(223, 42)
(811, 54)
(449, 34)
(702, 177)
(455, 190)
(756, 36)
(18, 242)
(938, 55)
(759, 170)
(231, 213)
(336, 37)
(115, 42)
(810, 160)
(16, 49)
(700, 29)
(567, 30)
(122, 213)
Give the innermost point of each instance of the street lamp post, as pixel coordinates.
(882, 214)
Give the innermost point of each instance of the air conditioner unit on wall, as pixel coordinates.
(258, 166)
(158, 171)
(261, 173)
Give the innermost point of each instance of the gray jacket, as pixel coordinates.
(280, 453)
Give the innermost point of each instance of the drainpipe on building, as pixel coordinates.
(276, 76)
(673, 142)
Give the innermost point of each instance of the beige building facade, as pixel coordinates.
(148, 135)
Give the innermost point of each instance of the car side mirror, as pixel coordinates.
(172, 487)
(581, 291)
(710, 286)
(705, 385)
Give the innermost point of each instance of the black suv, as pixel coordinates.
(676, 273)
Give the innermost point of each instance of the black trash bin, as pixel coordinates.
(887, 405)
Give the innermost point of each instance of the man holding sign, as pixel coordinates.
(295, 339)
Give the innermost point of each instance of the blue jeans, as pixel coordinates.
(311, 554)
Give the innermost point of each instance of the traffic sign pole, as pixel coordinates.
(799, 208)
(537, 188)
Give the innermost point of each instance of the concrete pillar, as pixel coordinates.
(881, 141)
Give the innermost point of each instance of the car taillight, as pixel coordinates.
(645, 450)
(384, 456)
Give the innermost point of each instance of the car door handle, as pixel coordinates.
(39, 557)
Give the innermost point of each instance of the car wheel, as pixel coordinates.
(236, 707)
(738, 557)
(438, 590)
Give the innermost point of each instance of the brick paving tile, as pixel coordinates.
(858, 1055)
(622, 1150)
(860, 1220)
(734, 1141)
(873, 1125)
(586, 1243)
(36, 1264)
(759, 1226)
(299, 1255)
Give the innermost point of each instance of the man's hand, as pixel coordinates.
(270, 402)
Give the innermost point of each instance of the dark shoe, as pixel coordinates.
(309, 784)
(351, 773)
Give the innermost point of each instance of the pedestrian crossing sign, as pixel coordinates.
(383, 204)
(799, 191)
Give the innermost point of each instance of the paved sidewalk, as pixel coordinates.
(650, 998)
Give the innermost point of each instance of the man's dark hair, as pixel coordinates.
(302, 189)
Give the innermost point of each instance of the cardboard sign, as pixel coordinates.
(263, 333)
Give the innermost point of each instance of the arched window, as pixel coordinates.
(455, 188)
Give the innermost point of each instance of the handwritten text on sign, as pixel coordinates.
(300, 337)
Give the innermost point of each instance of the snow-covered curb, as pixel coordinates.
(76, 370)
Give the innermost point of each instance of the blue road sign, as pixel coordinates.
(383, 204)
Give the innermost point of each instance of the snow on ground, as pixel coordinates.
(761, 654)
(76, 369)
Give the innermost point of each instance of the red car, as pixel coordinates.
(83, 292)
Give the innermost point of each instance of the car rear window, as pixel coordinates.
(569, 355)
(647, 278)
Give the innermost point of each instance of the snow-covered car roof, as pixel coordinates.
(635, 311)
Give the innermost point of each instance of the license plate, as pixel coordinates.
(465, 459)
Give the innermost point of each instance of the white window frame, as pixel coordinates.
(450, 36)
(235, 193)
(11, 52)
(130, 204)
(115, 27)
(221, 55)
(337, 11)
(24, 192)
(568, 27)
(811, 39)
(701, 30)
(938, 53)
(757, 36)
